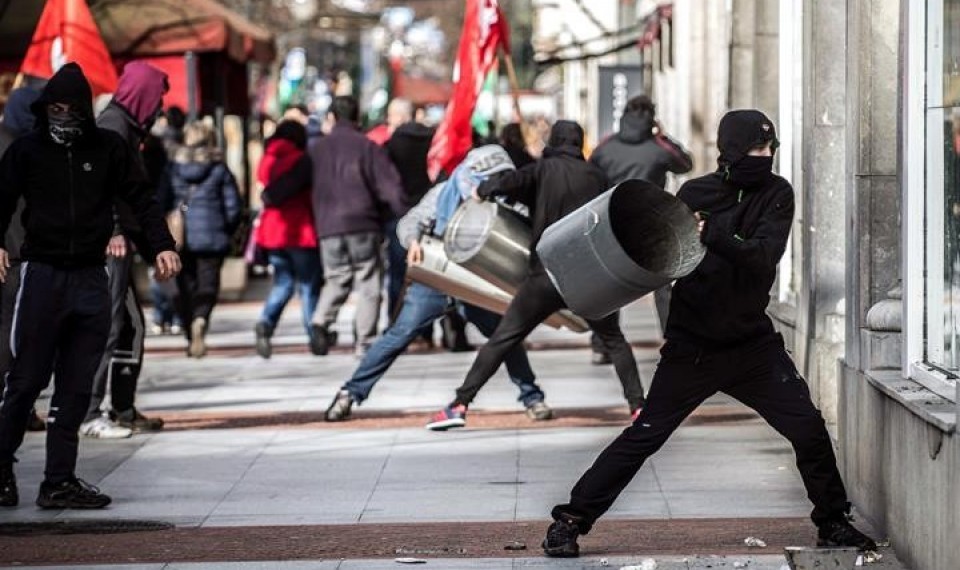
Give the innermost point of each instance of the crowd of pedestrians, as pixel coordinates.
(346, 212)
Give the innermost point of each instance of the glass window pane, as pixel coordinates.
(951, 249)
(951, 53)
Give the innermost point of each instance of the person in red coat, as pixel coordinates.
(286, 232)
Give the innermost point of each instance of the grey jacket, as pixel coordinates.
(635, 152)
(118, 120)
(419, 219)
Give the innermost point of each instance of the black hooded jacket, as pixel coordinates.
(635, 152)
(723, 302)
(69, 191)
(552, 187)
(408, 147)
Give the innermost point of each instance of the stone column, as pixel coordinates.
(873, 191)
(820, 320)
(743, 26)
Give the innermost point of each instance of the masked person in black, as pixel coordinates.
(719, 338)
(558, 184)
(69, 173)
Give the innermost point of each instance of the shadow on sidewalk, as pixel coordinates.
(391, 419)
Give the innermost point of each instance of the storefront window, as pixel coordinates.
(943, 188)
(951, 182)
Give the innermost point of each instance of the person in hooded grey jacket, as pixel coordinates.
(641, 150)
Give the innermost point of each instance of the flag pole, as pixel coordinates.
(514, 86)
(525, 129)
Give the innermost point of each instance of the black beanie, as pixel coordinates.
(739, 131)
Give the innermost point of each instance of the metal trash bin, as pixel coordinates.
(491, 240)
(623, 244)
(438, 272)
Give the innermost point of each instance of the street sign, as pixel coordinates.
(617, 84)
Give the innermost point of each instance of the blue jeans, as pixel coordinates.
(291, 267)
(164, 308)
(423, 305)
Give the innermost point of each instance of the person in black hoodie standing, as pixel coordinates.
(553, 187)
(640, 150)
(69, 173)
(719, 338)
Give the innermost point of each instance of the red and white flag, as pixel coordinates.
(484, 30)
(66, 32)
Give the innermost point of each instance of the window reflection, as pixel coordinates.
(951, 53)
(951, 265)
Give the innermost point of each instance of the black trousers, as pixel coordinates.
(536, 300)
(60, 326)
(199, 283)
(123, 353)
(661, 302)
(761, 375)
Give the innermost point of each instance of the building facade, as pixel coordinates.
(866, 96)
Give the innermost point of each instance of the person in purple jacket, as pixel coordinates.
(356, 189)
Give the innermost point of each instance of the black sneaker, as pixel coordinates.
(71, 494)
(561, 540)
(136, 421)
(263, 332)
(340, 408)
(321, 340)
(842, 533)
(9, 496)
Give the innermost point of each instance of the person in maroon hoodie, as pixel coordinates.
(135, 106)
(287, 234)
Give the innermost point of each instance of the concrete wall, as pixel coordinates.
(706, 32)
(901, 472)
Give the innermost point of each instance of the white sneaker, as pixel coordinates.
(104, 428)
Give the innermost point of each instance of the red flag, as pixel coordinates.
(66, 32)
(484, 30)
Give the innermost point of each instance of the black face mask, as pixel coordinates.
(153, 118)
(751, 171)
(64, 129)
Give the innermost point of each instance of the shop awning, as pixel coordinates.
(152, 28)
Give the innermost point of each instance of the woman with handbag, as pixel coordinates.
(202, 198)
(286, 233)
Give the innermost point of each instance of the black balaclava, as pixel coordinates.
(739, 131)
(68, 85)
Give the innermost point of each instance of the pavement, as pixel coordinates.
(247, 475)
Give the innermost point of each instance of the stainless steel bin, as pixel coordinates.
(627, 242)
(490, 240)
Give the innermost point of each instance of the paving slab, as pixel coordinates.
(252, 477)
